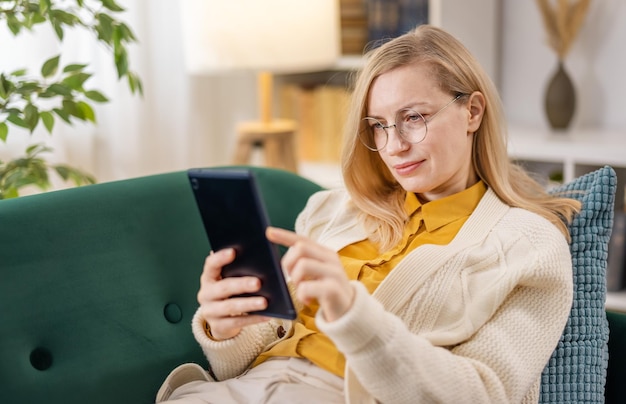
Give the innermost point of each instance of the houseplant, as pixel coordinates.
(59, 91)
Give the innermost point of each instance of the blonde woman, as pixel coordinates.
(441, 273)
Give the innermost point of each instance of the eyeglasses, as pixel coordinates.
(410, 124)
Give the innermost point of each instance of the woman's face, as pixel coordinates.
(441, 164)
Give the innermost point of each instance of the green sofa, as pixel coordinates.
(99, 286)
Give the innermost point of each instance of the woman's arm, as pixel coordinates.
(499, 362)
(231, 357)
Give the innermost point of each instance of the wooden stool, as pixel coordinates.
(275, 137)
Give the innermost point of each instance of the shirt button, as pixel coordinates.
(280, 331)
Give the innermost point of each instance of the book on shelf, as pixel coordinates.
(391, 18)
(365, 21)
(320, 113)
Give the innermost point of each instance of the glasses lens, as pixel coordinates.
(373, 134)
(411, 125)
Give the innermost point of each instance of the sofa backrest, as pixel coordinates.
(99, 285)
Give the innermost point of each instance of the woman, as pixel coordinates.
(426, 280)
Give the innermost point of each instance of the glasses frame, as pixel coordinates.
(394, 125)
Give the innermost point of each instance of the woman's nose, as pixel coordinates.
(395, 141)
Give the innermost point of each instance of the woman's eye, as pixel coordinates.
(413, 118)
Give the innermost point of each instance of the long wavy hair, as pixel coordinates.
(373, 188)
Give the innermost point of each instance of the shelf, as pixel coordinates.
(580, 147)
(573, 153)
(349, 62)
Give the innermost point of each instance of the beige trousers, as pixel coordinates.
(277, 380)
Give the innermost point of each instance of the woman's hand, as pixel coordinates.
(316, 272)
(227, 315)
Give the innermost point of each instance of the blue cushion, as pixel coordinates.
(576, 372)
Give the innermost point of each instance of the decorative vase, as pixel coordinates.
(560, 99)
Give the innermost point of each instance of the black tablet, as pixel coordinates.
(234, 216)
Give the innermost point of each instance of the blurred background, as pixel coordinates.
(188, 120)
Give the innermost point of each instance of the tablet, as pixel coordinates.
(234, 216)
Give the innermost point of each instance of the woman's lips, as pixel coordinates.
(407, 168)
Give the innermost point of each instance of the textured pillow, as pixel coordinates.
(576, 372)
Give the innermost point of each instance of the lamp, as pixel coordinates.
(265, 36)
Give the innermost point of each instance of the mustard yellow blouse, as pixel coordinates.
(435, 222)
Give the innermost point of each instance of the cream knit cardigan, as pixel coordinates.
(474, 321)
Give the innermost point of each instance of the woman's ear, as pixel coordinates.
(476, 107)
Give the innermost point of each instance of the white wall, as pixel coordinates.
(596, 63)
(476, 23)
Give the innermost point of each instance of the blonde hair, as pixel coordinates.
(372, 187)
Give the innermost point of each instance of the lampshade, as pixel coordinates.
(280, 36)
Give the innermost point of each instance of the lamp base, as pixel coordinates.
(276, 137)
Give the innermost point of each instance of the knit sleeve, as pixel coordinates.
(231, 357)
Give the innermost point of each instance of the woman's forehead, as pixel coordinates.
(409, 86)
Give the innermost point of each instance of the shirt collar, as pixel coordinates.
(441, 212)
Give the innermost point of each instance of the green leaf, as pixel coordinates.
(4, 88)
(19, 73)
(121, 62)
(138, 83)
(78, 177)
(86, 111)
(112, 5)
(126, 33)
(63, 115)
(4, 131)
(16, 120)
(96, 96)
(64, 17)
(27, 88)
(104, 27)
(9, 193)
(74, 68)
(48, 120)
(50, 66)
(63, 172)
(14, 25)
(59, 89)
(72, 108)
(75, 81)
(35, 149)
(133, 84)
(44, 6)
(58, 29)
(31, 116)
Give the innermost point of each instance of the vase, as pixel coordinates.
(560, 99)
